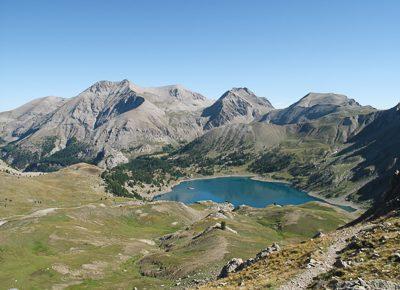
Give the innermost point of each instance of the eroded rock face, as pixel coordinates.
(112, 158)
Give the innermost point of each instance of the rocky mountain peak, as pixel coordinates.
(100, 87)
(239, 91)
(236, 105)
(106, 87)
(246, 94)
(313, 99)
(314, 106)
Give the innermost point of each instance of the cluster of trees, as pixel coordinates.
(151, 170)
(272, 161)
(157, 171)
(74, 152)
(20, 157)
(115, 181)
(235, 158)
(48, 145)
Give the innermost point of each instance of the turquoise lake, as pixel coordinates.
(238, 191)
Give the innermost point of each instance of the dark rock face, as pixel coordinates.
(126, 104)
(389, 202)
(379, 145)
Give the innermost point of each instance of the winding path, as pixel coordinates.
(37, 214)
(305, 278)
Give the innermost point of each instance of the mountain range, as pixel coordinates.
(111, 117)
(76, 234)
(110, 123)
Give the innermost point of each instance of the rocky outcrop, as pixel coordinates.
(237, 264)
(230, 267)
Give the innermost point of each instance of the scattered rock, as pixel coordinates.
(267, 251)
(361, 284)
(197, 281)
(379, 284)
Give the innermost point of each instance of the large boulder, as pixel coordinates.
(230, 267)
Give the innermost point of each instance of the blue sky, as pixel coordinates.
(279, 49)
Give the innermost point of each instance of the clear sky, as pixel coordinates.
(279, 49)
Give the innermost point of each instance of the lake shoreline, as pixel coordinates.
(338, 202)
(334, 202)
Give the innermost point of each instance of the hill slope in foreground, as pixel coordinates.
(363, 255)
(63, 231)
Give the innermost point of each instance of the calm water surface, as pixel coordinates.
(238, 191)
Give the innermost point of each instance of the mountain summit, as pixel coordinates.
(238, 105)
(313, 99)
(313, 106)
